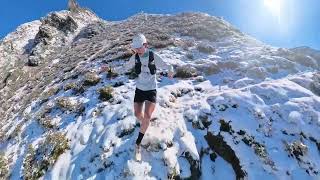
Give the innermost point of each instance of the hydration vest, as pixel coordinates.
(151, 64)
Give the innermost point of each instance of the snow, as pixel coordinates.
(219, 169)
(294, 117)
(272, 109)
(138, 170)
(22, 36)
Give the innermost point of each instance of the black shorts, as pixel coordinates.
(141, 96)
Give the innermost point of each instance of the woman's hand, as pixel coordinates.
(104, 68)
(170, 75)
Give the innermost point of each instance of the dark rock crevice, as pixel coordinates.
(194, 166)
(218, 145)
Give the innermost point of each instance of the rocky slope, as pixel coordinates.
(237, 108)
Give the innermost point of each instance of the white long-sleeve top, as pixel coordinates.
(146, 81)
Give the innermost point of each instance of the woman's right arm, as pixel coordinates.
(126, 66)
(130, 64)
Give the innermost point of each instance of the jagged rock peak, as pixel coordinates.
(73, 6)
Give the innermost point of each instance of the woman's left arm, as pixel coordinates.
(161, 64)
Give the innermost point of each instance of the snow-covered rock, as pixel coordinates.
(240, 109)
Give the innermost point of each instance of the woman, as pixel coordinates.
(145, 62)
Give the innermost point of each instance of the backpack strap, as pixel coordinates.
(137, 64)
(151, 56)
(151, 64)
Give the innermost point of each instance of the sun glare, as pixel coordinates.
(274, 6)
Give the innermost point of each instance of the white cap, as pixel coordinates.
(138, 41)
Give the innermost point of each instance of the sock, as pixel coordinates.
(139, 139)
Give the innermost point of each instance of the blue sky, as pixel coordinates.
(292, 23)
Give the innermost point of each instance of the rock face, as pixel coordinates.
(53, 28)
(315, 85)
(234, 101)
(225, 151)
(73, 6)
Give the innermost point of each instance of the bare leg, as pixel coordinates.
(138, 111)
(149, 108)
(139, 115)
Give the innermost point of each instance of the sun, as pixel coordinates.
(274, 6)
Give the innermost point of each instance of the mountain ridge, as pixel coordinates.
(237, 107)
